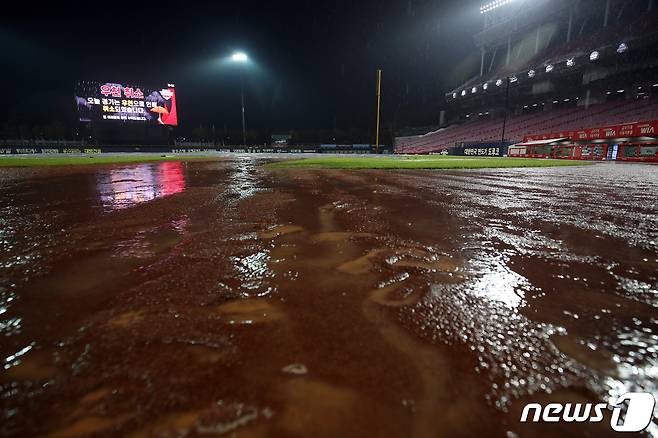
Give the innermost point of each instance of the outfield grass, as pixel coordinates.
(28, 161)
(420, 162)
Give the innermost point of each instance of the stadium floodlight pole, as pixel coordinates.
(244, 132)
(241, 58)
(379, 101)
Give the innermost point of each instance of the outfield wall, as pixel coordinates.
(488, 149)
(76, 149)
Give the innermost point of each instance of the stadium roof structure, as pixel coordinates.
(513, 19)
(533, 46)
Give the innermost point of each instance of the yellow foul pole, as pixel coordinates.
(379, 101)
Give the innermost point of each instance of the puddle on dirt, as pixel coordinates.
(362, 265)
(307, 400)
(127, 319)
(337, 236)
(386, 295)
(279, 230)
(125, 187)
(35, 366)
(250, 311)
(318, 302)
(254, 271)
(87, 426)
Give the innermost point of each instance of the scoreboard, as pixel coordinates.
(119, 102)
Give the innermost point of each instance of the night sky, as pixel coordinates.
(313, 62)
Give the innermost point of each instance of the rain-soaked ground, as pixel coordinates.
(182, 299)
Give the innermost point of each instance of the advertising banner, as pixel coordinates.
(631, 130)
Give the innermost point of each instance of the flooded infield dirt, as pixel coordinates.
(185, 299)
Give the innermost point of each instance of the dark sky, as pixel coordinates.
(314, 62)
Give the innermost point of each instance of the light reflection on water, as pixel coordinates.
(244, 182)
(636, 359)
(128, 186)
(514, 352)
(254, 273)
(497, 282)
(9, 326)
(14, 359)
(542, 231)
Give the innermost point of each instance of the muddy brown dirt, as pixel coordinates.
(183, 299)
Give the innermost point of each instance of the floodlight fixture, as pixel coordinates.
(499, 82)
(571, 62)
(493, 5)
(454, 95)
(474, 90)
(239, 57)
(594, 55)
(622, 48)
(532, 73)
(549, 68)
(485, 85)
(513, 79)
(463, 93)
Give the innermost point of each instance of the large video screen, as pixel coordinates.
(110, 101)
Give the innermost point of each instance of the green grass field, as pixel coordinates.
(28, 161)
(331, 162)
(419, 162)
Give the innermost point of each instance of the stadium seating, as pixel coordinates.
(561, 119)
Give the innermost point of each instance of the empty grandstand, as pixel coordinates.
(555, 66)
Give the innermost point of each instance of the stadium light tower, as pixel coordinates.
(241, 58)
(493, 5)
(497, 11)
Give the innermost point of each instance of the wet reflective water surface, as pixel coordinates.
(185, 299)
